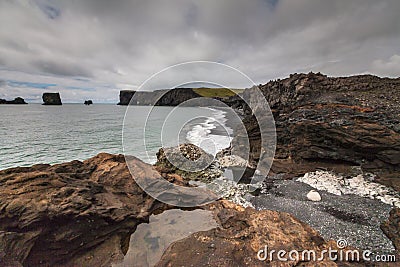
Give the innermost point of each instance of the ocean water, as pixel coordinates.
(33, 133)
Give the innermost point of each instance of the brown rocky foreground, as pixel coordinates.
(83, 213)
(71, 214)
(392, 228)
(241, 235)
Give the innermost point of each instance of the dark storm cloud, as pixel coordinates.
(119, 44)
(61, 68)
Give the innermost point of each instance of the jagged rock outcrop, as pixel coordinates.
(184, 160)
(16, 101)
(329, 121)
(71, 214)
(125, 97)
(242, 233)
(51, 99)
(392, 228)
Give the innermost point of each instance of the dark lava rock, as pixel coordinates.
(51, 99)
(72, 214)
(326, 121)
(242, 233)
(176, 96)
(88, 102)
(163, 97)
(125, 97)
(392, 228)
(16, 101)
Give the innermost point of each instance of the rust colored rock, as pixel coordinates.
(242, 234)
(392, 228)
(71, 214)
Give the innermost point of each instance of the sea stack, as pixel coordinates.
(125, 97)
(16, 101)
(51, 99)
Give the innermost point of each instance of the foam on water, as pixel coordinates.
(212, 135)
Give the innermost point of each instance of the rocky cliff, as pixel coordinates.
(330, 121)
(16, 101)
(163, 97)
(51, 99)
(125, 97)
(174, 97)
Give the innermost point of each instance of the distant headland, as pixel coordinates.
(173, 97)
(16, 101)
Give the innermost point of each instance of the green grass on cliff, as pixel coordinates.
(217, 92)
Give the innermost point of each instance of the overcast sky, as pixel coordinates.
(93, 48)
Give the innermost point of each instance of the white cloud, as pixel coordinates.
(390, 67)
(119, 44)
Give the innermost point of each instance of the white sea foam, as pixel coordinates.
(200, 135)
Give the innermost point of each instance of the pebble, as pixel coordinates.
(314, 196)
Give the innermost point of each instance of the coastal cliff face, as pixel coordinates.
(165, 97)
(16, 101)
(125, 97)
(177, 96)
(51, 99)
(335, 121)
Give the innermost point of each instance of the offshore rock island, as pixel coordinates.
(51, 99)
(16, 101)
(337, 136)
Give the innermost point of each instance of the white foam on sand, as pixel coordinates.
(357, 185)
(201, 134)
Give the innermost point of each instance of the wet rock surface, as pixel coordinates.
(241, 234)
(150, 240)
(71, 214)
